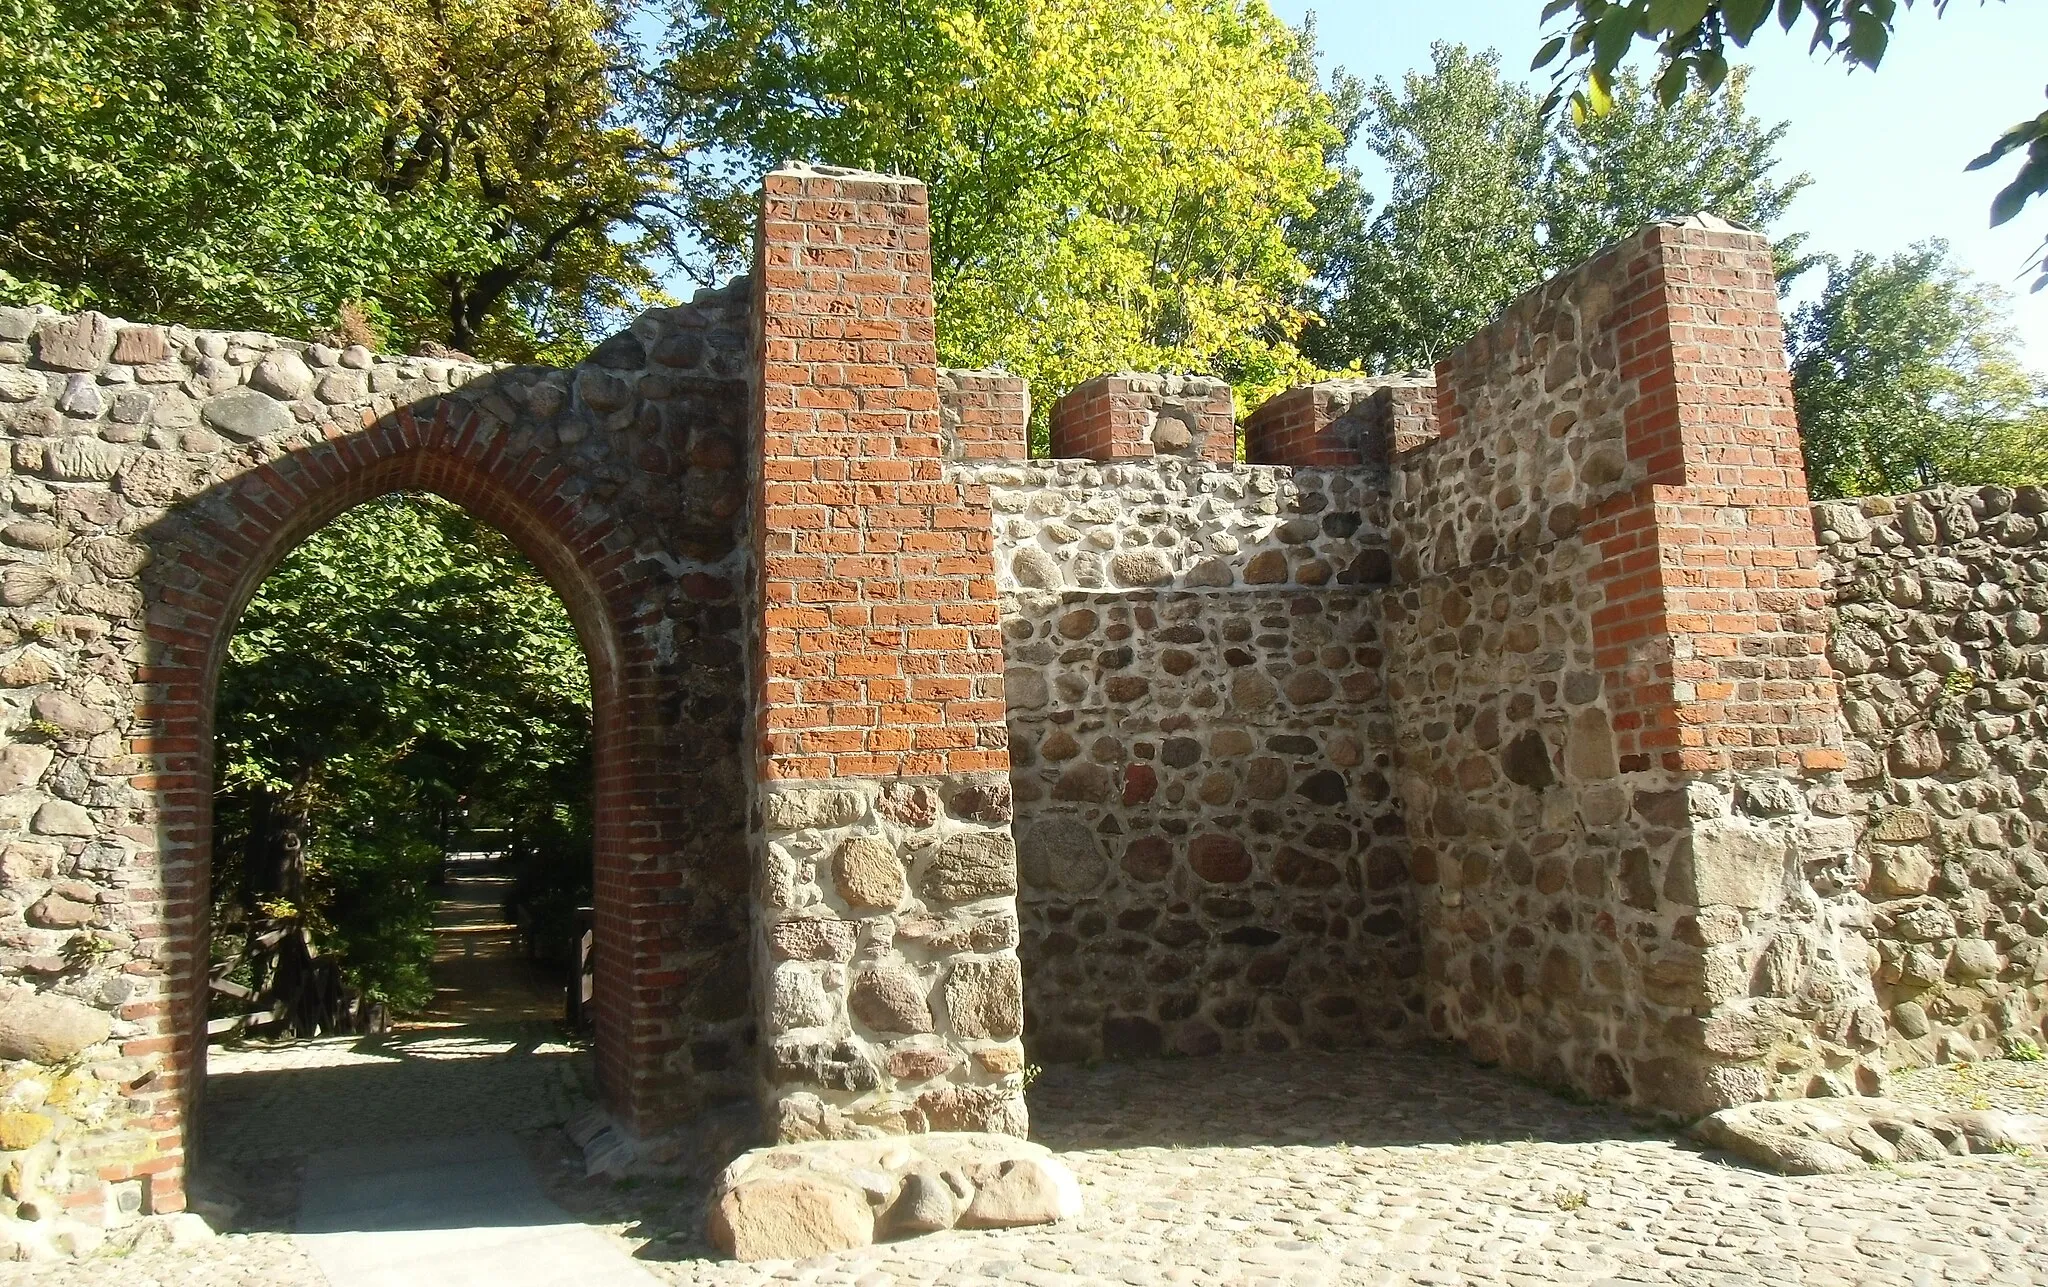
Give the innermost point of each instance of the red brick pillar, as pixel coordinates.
(1715, 621)
(882, 766)
(1137, 416)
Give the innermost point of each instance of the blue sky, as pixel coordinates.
(1886, 150)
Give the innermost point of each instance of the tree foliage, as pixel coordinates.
(403, 669)
(1692, 39)
(190, 162)
(1109, 183)
(516, 111)
(1486, 201)
(461, 169)
(1906, 377)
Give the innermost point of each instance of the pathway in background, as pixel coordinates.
(481, 974)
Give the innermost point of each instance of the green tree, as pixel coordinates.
(1486, 202)
(1692, 39)
(1337, 230)
(1906, 376)
(1644, 160)
(1457, 236)
(518, 112)
(461, 173)
(192, 162)
(1109, 183)
(402, 669)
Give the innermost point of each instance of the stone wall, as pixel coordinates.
(151, 477)
(1939, 599)
(1618, 739)
(1209, 858)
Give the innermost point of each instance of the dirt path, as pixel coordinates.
(481, 974)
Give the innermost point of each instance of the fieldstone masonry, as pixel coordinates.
(153, 476)
(1939, 599)
(1493, 705)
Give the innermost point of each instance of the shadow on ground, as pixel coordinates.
(1373, 1099)
(268, 1109)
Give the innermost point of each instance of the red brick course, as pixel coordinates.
(1713, 631)
(880, 649)
(1112, 417)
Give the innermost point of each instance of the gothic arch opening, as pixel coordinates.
(402, 837)
(634, 533)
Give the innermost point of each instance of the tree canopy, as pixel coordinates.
(458, 173)
(1907, 376)
(1487, 200)
(1109, 183)
(403, 668)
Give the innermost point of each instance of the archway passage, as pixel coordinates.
(402, 817)
(154, 511)
(627, 619)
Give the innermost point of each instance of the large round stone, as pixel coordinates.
(1219, 859)
(790, 1217)
(887, 999)
(972, 864)
(46, 1028)
(986, 998)
(71, 715)
(798, 1000)
(1061, 853)
(283, 374)
(247, 415)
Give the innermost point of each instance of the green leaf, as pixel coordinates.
(1551, 49)
(1556, 7)
(1867, 38)
(1612, 36)
(2018, 136)
(2029, 183)
(1671, 84)
(1674, 16)
(1744, 17)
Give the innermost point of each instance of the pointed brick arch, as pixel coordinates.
(635, 515)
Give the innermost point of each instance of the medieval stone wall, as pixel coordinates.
(1618, 739)
(1207, 850)
(151, 476)
(1938, 602)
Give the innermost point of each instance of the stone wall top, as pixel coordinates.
(1081, 525)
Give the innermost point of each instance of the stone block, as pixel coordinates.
(1736, 864)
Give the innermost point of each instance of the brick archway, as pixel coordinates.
(622, 480)
(219, 570)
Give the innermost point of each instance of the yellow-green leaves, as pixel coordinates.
(1109, 183)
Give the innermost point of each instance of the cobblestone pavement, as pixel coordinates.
(1419, 1168)
(1300, 1169)
(2007, 1084)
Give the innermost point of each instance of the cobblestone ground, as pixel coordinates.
(1289, 1169)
